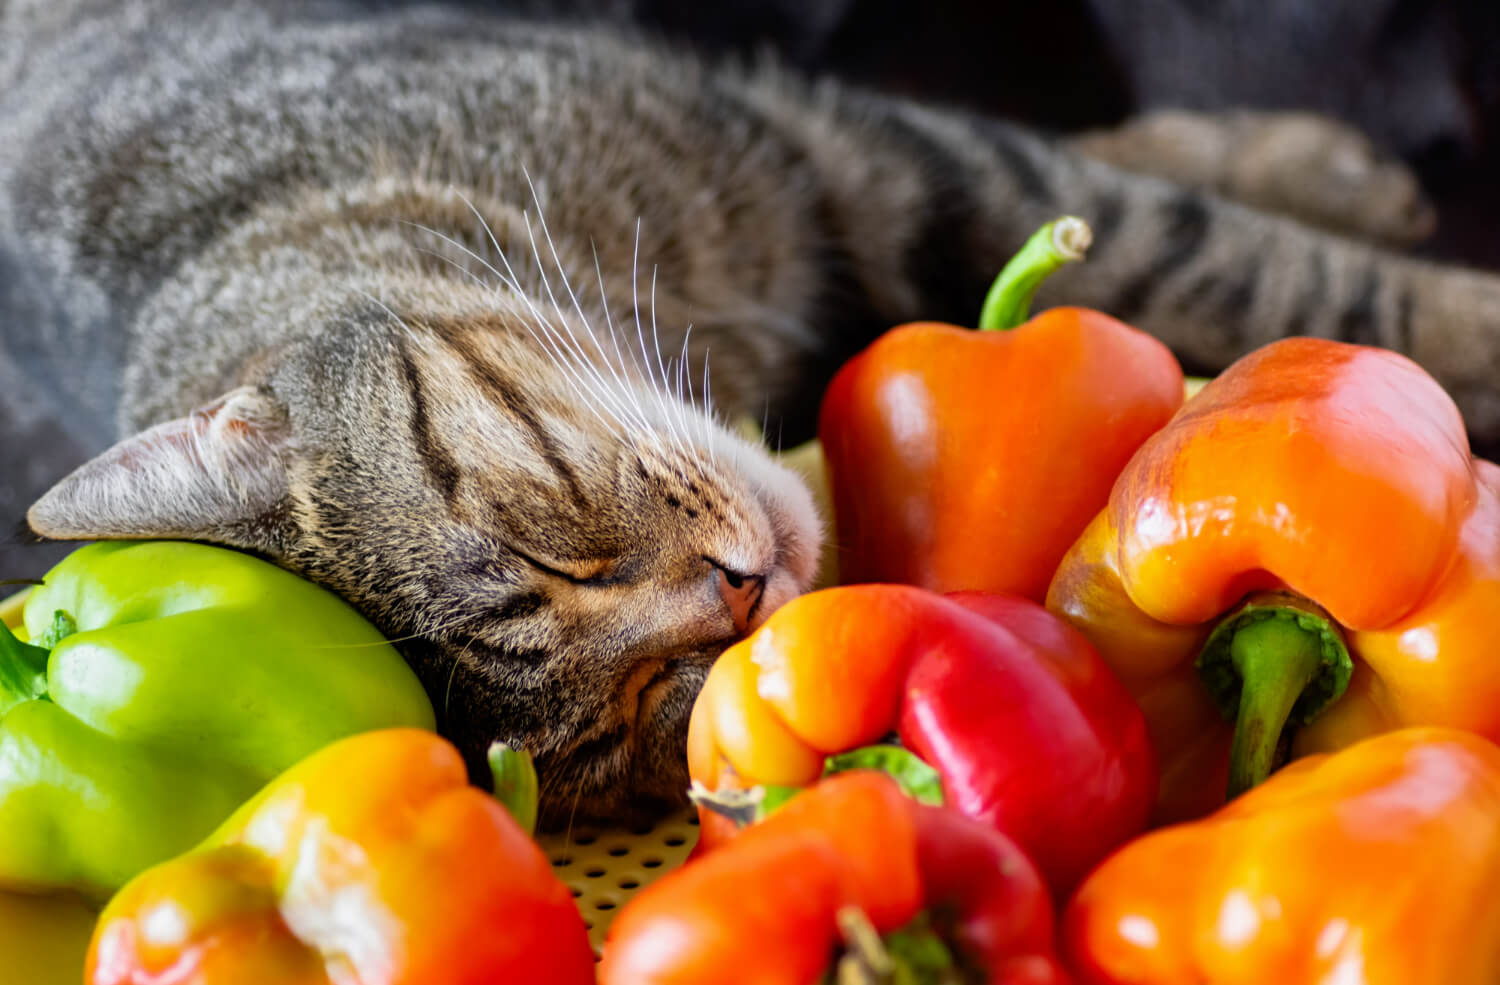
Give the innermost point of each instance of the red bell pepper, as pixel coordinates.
(371, 862)
(848, 860)
(1025, 726)
(964, 459)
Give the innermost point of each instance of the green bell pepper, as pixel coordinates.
(44, 940)
(181, 678)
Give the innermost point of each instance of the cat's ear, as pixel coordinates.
(219, 474)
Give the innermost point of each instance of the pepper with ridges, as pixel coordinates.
(1306, 556)
(177, 680)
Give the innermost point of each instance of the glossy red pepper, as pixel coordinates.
(963, 459)
(1018, 715)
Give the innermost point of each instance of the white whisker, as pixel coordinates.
(619, 383)
(601, 389)
(630, 388)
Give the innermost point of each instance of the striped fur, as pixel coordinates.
(446, 267)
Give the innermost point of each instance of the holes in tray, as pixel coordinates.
(605, 867)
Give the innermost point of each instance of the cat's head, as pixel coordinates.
(560, 549)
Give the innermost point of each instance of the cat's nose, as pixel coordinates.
(742, 594)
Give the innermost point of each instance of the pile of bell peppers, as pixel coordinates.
(1249, 737)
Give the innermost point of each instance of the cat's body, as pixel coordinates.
(442, 410)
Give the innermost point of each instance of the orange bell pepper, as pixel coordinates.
(855, 856)
(1373, 865)
(962, 459)
(370, 861)
(1020, 721)
(1309, 550)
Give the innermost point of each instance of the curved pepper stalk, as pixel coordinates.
(1340, 473)
(1278, 660)
(1059, 242)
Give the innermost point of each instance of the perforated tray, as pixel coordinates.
(604, 867)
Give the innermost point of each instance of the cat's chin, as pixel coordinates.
(646, 778)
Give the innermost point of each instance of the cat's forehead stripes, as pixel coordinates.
(472, 376)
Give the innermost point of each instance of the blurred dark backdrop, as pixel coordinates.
(1420, 77)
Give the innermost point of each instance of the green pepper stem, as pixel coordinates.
(1008, 302)
(1277, 660)
(747, 806)
(915, 954)
(916, 779)
(515, 783)
(63, 626)
(23, 671)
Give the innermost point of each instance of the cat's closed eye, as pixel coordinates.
(583, 571)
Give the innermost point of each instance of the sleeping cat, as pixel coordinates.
(450, 314)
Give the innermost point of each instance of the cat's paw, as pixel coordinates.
(1308, 167)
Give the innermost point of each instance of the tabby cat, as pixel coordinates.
(450, 314)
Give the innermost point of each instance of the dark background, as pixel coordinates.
(1420, 77)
